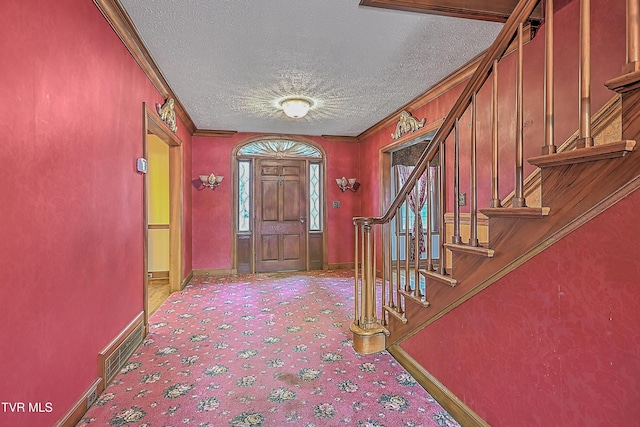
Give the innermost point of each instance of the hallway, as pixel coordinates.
(262, 350)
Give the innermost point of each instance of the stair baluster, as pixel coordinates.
(495, 188)
(585, 140)
(549, 146)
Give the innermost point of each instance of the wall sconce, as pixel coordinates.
(348, 184)
(211, 181)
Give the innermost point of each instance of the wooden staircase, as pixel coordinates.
(574, 185)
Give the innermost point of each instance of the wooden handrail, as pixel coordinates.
(521, 12)
(370, 326)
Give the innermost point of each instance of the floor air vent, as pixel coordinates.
(114, 356)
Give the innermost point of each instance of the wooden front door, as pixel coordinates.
(280, 209)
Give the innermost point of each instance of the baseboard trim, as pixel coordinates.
(340, 266)
(120, 349)
(214, 272)
(158, 275)
(77, 411)
(454, 406)
(186, 280)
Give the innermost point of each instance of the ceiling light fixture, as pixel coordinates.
(296, 108)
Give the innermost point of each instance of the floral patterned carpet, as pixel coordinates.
(261, 350)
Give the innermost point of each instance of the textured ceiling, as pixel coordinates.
(229, 62)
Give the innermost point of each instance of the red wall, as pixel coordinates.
(608, 56)
(212, 222)
(555, 342)
(71, 222)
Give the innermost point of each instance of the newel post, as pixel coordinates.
(368, 333)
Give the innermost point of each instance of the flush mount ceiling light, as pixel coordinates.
(296, 108)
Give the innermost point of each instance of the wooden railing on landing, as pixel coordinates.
(382, 237)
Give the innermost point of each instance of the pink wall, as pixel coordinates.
(71, 219)
(538, 348)
(212, 222)
(608, 56)
(557, 341)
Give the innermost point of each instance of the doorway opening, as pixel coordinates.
(162, 214)
(158, 287)
(397, 162)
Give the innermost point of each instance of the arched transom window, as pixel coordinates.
(280, 148)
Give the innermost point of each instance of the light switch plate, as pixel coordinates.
(141, 165)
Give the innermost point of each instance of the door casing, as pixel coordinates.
(243, 243)
(152, 124)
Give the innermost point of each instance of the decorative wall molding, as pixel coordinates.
(407, 124)
(167, 114)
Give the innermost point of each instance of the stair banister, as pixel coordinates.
(520, 13)
(369, 337)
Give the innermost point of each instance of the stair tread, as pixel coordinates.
(611, 150)
(423, 302)
(447, 280)
(472, 250)
(395, 313)
(516, 212)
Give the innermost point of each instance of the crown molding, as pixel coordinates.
(338, 138)
(495, 10)
(214, 133)
(124, 28)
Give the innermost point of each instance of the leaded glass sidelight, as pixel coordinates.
(315, 211)
(244, 186)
